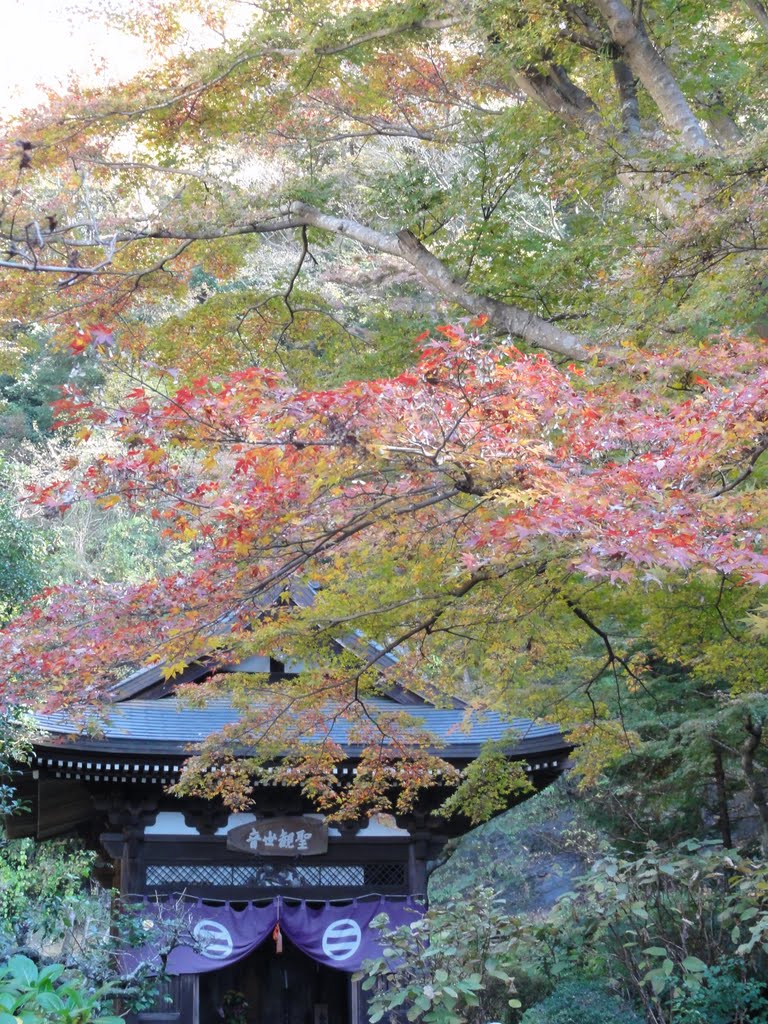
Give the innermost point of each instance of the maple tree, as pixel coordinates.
(515, 160)
(480, 479)
(249, 228)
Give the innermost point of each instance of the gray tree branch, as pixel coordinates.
(759, 13)
(529, 327)
(649, 67)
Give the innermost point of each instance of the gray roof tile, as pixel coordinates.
(167, 725)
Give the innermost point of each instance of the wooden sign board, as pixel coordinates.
(280, 837)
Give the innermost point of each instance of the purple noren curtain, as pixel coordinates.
(336, 934)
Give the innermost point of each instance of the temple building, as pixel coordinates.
(279, 902)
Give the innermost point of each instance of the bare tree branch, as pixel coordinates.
(528, 326)
(417, 25)
(520, 323)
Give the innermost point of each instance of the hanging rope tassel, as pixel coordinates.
(277, 935)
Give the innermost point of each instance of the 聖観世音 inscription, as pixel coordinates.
(281, 837)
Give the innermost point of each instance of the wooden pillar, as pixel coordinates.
(420, 828)
(126, 843)
(417, 865)
(132, 862)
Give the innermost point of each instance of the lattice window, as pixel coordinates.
(272, 876)
(385, 876)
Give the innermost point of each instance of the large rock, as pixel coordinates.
(530, 855)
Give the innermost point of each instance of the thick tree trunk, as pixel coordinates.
(759, 12)
(529, 327)
(560, 96)
(722, 798)
(630, 108)
(756, 787)
(723, 127)
(649, 68)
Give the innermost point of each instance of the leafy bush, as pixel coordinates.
(662, 927)
(46, 899)
(580, 1002)
(32, 996)
(27, 394)
(724, 996)
(450, 967)
(15, 750)
(51, 910)
(532, 987)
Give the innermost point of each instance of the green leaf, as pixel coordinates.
(692, 963)
(498, 972)
(23, 969)
(50, 1002)
(51, 972)
(658, 982)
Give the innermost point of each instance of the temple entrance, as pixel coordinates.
(275, 988)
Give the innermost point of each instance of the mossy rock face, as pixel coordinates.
(581, 1002)
(530, 855)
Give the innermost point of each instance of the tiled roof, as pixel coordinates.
(145, 718)
(303, 595)
(168, 726)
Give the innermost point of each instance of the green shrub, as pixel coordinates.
(658, 925)
(724, 996)
(29, 995)
(531, 987)
(580, 1002)
(451, 966)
